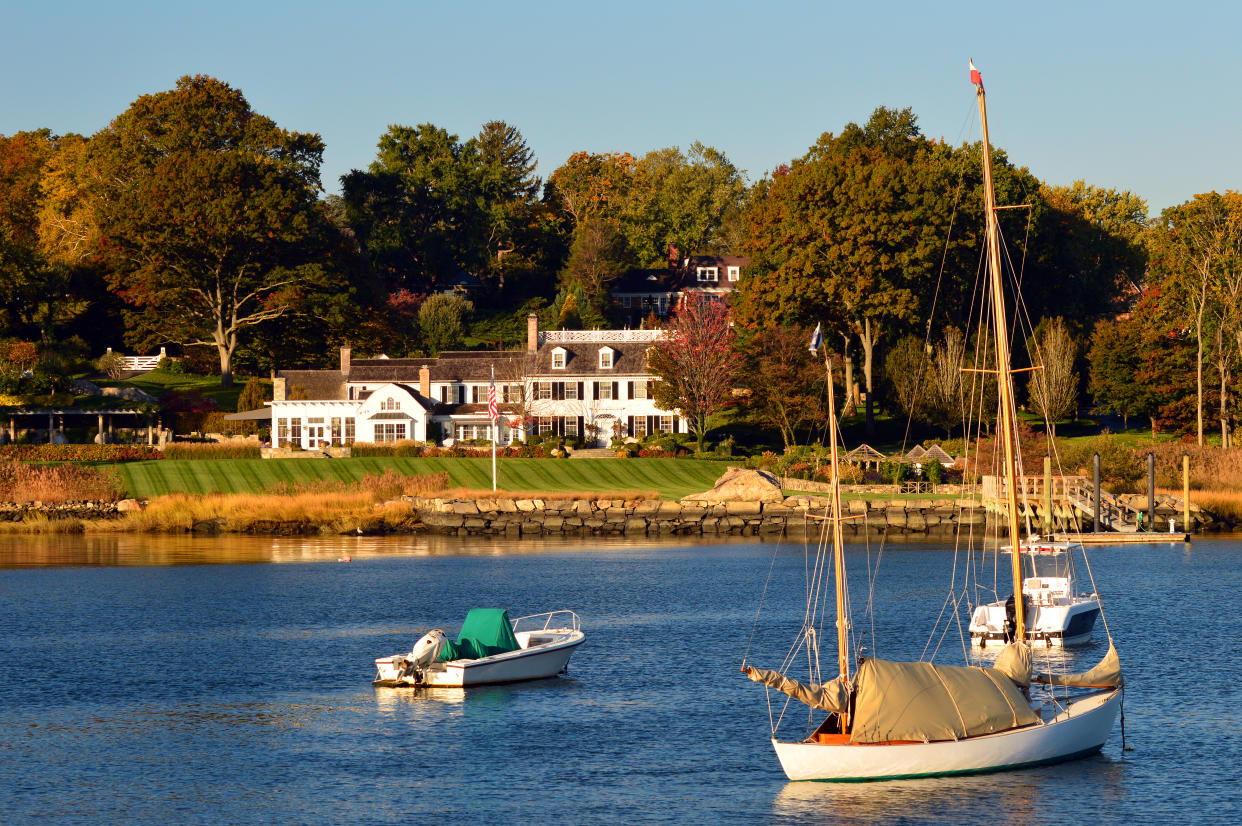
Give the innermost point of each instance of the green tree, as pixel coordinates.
(208, 216)
(417, 210)
(679, 201)
(1115, 357)
(442, 320)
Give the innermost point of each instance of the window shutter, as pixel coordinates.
(651, 424)
(581, 393)
(629, 389)
(629, 425)
(581, 432)
(675, 424)
(615, 395)
(596, 386)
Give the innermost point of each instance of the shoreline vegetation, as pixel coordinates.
(373, 495)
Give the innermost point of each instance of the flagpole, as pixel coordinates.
(491, 400)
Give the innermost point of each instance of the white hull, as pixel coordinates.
(543, 654)
(1078, 731)
(1063, 622)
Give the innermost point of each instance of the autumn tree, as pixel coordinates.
(1196, 260)
(695, 362)
(786, 382)
(1053, 386)
(43, 293)
(208, 215)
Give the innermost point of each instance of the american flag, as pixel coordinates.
(492, 412)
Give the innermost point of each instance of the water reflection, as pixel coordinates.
(1030, 796)
(123, 550)
(391, 699)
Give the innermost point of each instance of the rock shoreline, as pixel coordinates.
(797, 515)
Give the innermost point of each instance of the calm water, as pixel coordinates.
(226, 681)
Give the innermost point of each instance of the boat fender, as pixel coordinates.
(428, 648)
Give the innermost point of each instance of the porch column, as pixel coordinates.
(100, 426)
(51, 429)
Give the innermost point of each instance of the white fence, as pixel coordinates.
(141, 363)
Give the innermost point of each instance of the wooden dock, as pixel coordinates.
(1119, 538)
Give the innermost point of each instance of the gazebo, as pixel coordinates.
(866, 455)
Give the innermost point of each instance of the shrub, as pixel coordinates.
(111, 365)
(79, 453)
(212, 450)
(171, 366)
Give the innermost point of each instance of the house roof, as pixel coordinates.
(682, 277)
(451, 365)
(629, 359)
(318, 384)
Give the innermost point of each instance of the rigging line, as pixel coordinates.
(771, 566)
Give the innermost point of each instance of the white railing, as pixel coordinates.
(601, 336)
(569, 616)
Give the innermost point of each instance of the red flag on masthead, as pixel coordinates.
(975, 77)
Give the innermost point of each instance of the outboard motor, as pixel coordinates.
(428, 648)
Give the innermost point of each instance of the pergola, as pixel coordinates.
(54, 418)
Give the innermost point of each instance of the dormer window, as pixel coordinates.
(711, 274)
(734, 273)
(558, 358)
(605, 358)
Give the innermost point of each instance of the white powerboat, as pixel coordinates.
(1056, 615)
(491, 648)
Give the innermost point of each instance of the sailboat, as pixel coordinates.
(887, 720)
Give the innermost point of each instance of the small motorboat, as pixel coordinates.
(1056, 614)
(491, 648)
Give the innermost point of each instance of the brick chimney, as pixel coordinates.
(532, 333)
(278, 389)
(424, 381)
(345, 361)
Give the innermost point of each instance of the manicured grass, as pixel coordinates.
(671, 478)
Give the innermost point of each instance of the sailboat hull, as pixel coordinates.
(1078, 731)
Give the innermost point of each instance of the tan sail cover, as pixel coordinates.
(1014, 662)
(831, 696)
(924, 702)
(1106, 674)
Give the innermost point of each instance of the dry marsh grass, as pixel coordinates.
(239, 513)
(22, 482)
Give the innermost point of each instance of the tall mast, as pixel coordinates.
(1004, 376)
(838, 551)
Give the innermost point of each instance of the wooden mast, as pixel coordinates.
(838, 551)
(1003, 364)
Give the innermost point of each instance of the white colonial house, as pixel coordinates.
(589, 385)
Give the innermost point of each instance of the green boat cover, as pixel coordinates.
(485, 632)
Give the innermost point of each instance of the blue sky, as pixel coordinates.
(1139, 96)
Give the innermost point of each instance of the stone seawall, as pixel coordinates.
(20, 511)
(548, 517)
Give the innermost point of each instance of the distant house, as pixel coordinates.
(642, 293)
(591, 385)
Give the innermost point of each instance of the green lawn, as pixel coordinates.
(671, 478)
